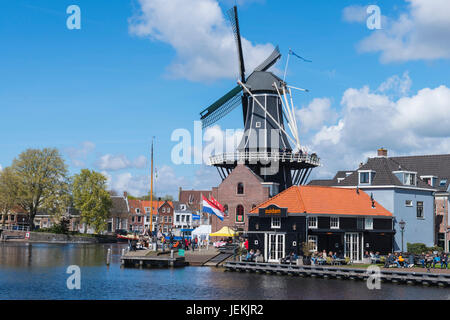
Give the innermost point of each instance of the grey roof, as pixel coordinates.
(384, 175)
(426, 165)
(119, 206)
(383, 168)
(263, 81)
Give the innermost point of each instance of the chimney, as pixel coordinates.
(125, 194)
(382, 152)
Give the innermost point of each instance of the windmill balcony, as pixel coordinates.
(255, 157)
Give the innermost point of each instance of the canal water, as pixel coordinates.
(38, 271)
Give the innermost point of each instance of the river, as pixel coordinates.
(38, 271)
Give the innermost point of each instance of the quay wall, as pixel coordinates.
(53, 237)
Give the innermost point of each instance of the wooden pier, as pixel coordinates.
(151, 259)
(330, 272)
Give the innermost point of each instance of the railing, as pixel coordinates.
(15, 228)
(231, 157)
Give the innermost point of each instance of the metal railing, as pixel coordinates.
(232, 157)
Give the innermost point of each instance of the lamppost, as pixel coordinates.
(402, 229)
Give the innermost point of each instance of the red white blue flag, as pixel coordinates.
(211, 208)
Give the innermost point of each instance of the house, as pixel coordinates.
(165, 215)
(334, 219)
(434, 170)
(241, 191)
(399, 189)
(193, 200)
(118, 214)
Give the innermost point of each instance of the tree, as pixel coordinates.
(92, 199)
(42, 182)
(8, 190)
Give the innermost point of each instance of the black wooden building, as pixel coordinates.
(340, 220)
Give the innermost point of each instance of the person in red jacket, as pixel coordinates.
(246, 244)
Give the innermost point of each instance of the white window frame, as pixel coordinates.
(314, 240)
(138, 211)
(313, 225)
(368, 223)
(408, 203)
(275, 223)
(335, 226)
(370, 173)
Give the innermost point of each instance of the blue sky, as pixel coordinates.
(99, 94)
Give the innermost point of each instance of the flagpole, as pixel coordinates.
(151, 192)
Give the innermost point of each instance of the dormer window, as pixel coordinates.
(408, 178)
(366, 176)
(429, 180)
(138, 210)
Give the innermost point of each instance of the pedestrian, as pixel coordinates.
(444, 261)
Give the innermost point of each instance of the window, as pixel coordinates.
(177, 218)
(168, 210)
(225, 213)
(138, 210)
(188, 219)
(364, 177)
(182, 218)
(443, 182)
(240, 188)
(312, 240)
(170, 219)
(409, 179)
(239, 213)
(132, 219)
(312, 222)
(258, 124)
(165, 219)
(139, 219)
(163, 210)
(408, 203)
(334, 223)
(276, 223)
(360, 223)
(256, 242)
(191, 198)
(368, 223)
(147, 209)
(420, 209)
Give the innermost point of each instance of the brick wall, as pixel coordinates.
(226, 194)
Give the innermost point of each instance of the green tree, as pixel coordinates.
(8, 190)
(42, 182)
(92, 199)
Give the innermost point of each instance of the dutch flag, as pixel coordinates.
(210, 208)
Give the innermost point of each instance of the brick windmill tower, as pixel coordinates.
(265, 147)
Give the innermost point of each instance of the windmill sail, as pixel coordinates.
(270, 61)
(221, 107)
(233, 17)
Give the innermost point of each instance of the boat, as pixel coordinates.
(121, 237)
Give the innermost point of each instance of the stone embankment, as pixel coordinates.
(24, 236)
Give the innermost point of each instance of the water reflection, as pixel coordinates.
(38, 271)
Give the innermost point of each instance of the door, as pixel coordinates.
(276, 247)
(353, 249)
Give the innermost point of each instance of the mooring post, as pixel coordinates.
(108, 257)
(123, 252)
(171, 254)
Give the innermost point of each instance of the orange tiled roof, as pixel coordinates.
(325, 200)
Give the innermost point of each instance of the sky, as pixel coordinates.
(138, 69)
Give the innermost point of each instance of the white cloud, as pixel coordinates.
(119, 162)
(409, 125)
(398, 86)
(200, 35)
(316, 114)
(1, 168)
(79, 154)
(167, 182)
(354, 13)
(421, 33)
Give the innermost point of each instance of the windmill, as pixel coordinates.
(266, 102)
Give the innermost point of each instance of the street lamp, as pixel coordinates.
(402, 229)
